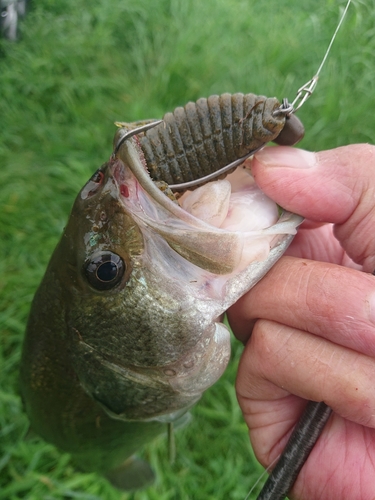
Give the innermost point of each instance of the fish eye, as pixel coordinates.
(104, 271)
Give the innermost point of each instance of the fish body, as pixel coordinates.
(124, 333)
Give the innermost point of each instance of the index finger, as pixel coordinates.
(324, 299)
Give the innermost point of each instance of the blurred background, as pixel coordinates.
(78, 66)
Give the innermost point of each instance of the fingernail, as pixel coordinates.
(282, 156)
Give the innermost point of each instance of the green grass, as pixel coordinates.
(78, 67)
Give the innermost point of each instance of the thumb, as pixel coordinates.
(336, 186)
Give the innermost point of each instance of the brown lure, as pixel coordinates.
(202, 137)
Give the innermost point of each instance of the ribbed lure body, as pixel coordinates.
(202, 137)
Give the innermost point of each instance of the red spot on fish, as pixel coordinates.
(124, 190)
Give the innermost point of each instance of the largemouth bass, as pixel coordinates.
(125, 330)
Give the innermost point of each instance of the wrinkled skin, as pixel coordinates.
(315, 329)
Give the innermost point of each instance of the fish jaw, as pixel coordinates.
(162, 393)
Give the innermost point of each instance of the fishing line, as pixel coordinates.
(261, 477)
(306, 90)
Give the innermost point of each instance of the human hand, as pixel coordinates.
(309, 325)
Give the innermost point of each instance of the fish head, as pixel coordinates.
(140, 333)
(145, 284)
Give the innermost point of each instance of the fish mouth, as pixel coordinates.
(206, 226)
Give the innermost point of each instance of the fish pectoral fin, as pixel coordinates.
(171, 443)
(134, 474)
(171, 428)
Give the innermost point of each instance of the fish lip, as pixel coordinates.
(118, 367)
(121, 176)
(189, 381)
(151, 381)
(118, 170)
